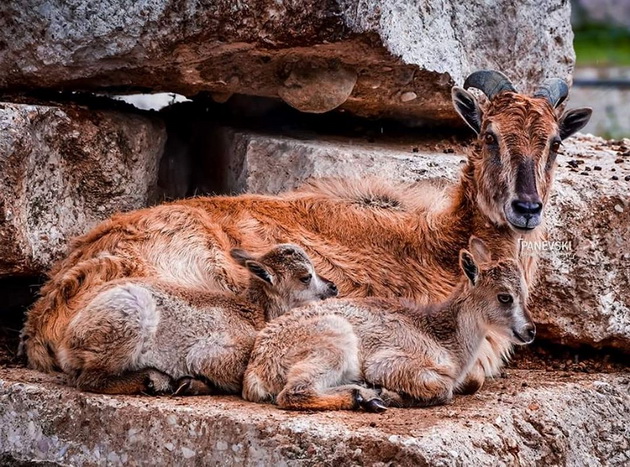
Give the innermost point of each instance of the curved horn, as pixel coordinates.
(490, 82)
(555, 90)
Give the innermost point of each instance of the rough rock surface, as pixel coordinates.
(404, 55)
(62, 169)
(529, 418)
(582, 296)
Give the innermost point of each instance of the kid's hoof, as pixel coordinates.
(183, 385)
(470, 386)
(158, 383)
(390, 398)
(375, 405)
(190, 386)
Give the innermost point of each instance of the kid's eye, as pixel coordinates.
(489, 138)
(306, 279)
(505, 298)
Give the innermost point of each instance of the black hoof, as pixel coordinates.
(375, 405)
(358, 399)
(183, 385)
(470, 387)
(150, 388)
(193, 386)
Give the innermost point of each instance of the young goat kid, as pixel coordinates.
(312, 358)
(137, 336)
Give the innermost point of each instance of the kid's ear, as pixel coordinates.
(468, 265)
(259, 271)
(479, 250)
(574, 120)
(467, 107)
(240, 256)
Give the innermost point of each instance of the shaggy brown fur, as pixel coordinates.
(312, 358)
(404, 242)
(139, 335)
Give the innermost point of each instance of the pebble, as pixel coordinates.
(408, 96)
(222, 445)
(188, 453)
(614, 177)
(597, 167)
(618, 161)
(627, 178)
(618, 208)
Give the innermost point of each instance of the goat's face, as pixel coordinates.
(287, 272)
(518, 139)
(499, 293)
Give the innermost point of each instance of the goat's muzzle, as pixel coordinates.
(525, 335)
(331, 289)
(524, 214)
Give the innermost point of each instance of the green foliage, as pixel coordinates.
(601, 45)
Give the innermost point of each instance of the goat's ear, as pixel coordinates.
(479, 250)
(468, 265)
(240, 256)
(574, 120)
(467, 107)
(260, 271)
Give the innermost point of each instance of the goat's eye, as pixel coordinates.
(555, 146)
(489, 138)
(505, 298)
(306, 279)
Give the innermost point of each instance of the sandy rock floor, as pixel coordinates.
(549, 407)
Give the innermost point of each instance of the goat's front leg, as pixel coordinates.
(317, 383)
(413, 379)
(147, 381)
(473, 381)
(494, 351)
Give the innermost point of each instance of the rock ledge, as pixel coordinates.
(528, 418)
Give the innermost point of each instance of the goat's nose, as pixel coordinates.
(527, 207)
(530, 331)
(333, 288)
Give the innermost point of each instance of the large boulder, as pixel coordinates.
(63, 169)
(530, 418)
(585, 277)
(582, 295)
(394, 58)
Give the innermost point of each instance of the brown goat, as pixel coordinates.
(312, 358)
(136, 335)
(371, 238)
